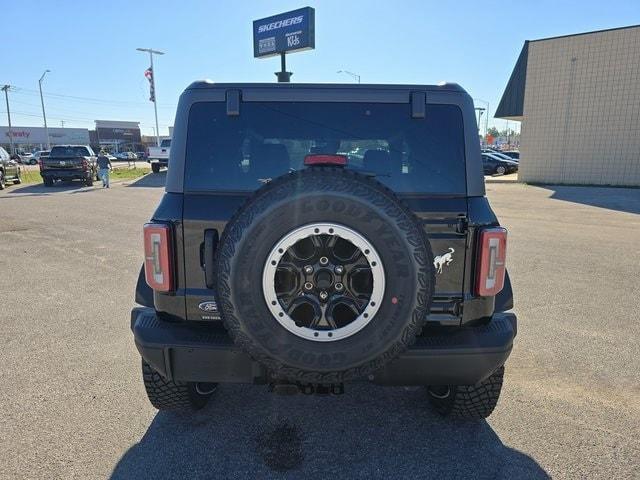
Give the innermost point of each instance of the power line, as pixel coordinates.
(28, 91)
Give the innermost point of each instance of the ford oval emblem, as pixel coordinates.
(208, 307)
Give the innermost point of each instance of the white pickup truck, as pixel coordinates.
(159, 156)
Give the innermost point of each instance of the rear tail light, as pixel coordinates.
(325, 160)
(158, 268)
(491, 266)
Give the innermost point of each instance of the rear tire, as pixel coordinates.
(18, 179)
(168, 395)
(468, 401)
(501, 170)
(89, 181)
(2, 181)
(48, 182)
(155, 168)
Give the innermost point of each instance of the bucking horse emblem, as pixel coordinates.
(442, 260)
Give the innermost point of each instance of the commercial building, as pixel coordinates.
(27, 139)
(117, 135)
(578, 98)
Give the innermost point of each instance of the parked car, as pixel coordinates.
(500, 155)
(25, 158)
(271, 260)
(130, 156)
(9, 169)
(69, 162)
(159, 156)
(494, 165)
(37, 156)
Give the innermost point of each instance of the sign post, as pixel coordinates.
(287, 32)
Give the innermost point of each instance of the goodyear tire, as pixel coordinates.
(332, 232)
(473, 402)
(167, 395)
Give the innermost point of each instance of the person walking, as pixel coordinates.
(104, 165)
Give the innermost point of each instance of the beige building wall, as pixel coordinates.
(582, 110)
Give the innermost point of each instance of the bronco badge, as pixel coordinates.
(208, 307)
(442, 260)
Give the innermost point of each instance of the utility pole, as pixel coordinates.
(5, 89)
(153, 87)
(44, 115)
(62, 123)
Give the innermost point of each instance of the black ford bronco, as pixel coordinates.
(312, 236)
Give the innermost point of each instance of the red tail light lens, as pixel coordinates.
(157, 257)
(491, 263)
(325, 160)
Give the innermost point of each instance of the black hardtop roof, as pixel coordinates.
(442, 87)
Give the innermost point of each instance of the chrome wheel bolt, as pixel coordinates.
(339, 270)
(338, 286)
(324, 295)
(308, 286)
(308, 269)
(324, 261)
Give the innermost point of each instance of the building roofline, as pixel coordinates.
(584, 33)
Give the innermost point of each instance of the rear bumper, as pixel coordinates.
(195, 353)
(66, 174)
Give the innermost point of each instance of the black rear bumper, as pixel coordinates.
(66, 174)
(202, 353)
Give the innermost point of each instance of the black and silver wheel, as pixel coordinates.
(155, 167)
(323, 282)
(18, 179)
(2, 180)
(500, 170)
(343, 271)
(467, 401)
(48, 181)
(168, 395)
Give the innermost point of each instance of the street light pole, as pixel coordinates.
(351, 74)
(153, 87)
(44, 115)
(6, 97)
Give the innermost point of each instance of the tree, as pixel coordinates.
(493, 131)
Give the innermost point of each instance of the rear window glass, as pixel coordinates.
(240, 153)
(69, 152)
(165, 143)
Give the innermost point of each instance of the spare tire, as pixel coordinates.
(324, 276)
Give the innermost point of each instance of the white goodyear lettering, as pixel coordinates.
(280, 23)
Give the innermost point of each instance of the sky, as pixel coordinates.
(96, 72)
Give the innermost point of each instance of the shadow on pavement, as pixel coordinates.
(39, 189)
(621, 199)
(369, 432)
(150, 180)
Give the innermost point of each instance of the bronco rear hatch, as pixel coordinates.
(421, 158)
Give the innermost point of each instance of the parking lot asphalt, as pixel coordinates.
(72, 404)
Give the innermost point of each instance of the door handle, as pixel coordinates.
(210, 245)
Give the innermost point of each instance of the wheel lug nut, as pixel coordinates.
(339, 270)
(338, 286)
(324, 295)
(324, 261)
(308, 286)
(308, 269)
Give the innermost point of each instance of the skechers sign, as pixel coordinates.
(287, 32)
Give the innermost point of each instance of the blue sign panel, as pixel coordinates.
(286, 32)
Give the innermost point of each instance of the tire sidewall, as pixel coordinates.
(362, 205)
